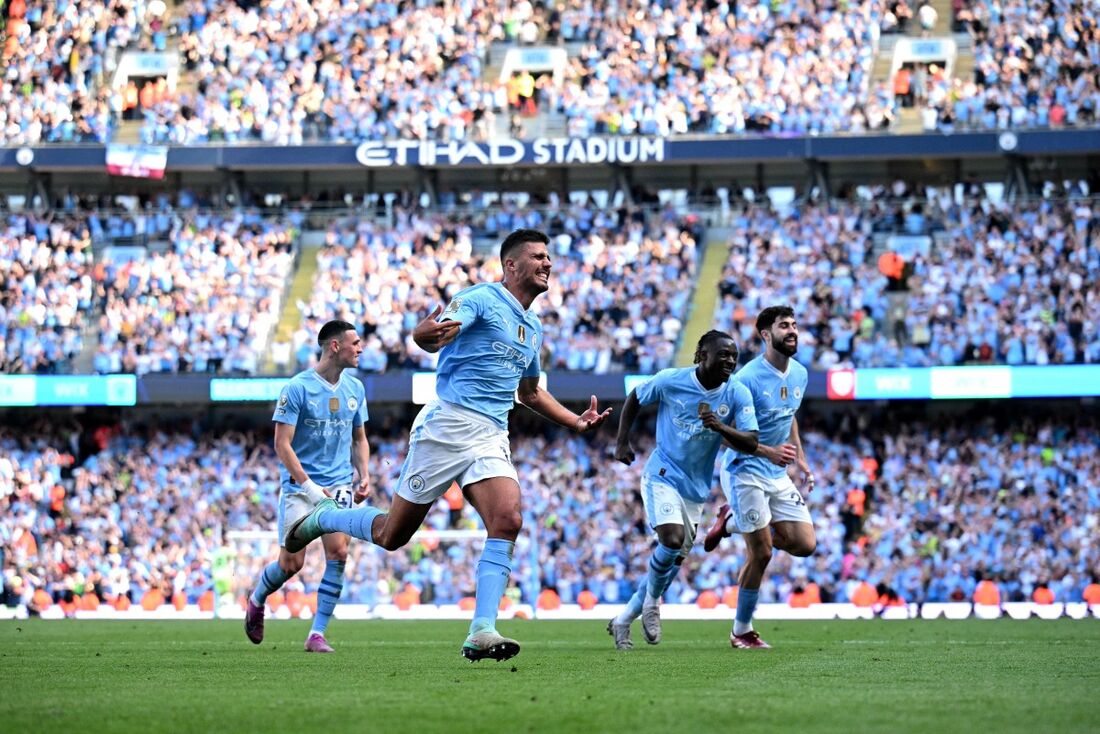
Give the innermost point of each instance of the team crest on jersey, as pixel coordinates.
(352, 403)
(723, 410)
(798, 393)
(333, 405)
(783, 393)
(521, 334)
(416, 482)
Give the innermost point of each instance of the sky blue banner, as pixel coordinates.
(27, 390)
(964, 383)
(246, 389)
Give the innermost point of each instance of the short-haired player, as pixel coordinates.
(323, 452)
(489, 340)
(698, 408)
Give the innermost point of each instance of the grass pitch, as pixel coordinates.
(994, 676)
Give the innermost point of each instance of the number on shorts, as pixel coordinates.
(343, 497)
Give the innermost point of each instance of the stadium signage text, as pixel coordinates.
(507, 152)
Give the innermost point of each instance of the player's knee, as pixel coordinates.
(340, 555)
(804, 547)
(761, 556)
(291, 565)
(389, 541)
(507, 525)
(672, 538)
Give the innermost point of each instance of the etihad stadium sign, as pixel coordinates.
(508, 152)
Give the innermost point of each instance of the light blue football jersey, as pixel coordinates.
(685, 451)
(497, 346)
(323, 416)
(776, 397)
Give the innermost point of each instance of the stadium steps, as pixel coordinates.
(964, 58)
(83, 363)
(908, 121)
(703, 301)
(298, 291)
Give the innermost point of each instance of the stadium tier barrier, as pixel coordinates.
(599, 612)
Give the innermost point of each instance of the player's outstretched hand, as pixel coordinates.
(592, 417)
(362, 490)
(624, 453)
(432, 335)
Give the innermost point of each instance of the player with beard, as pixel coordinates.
(764, 505)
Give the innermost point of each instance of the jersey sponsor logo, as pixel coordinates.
(325, 428)
(511, 358)
(748, 410)
(281, 411)
(352, 403)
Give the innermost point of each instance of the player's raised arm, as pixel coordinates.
(623, 450)
(546, 405)
(431, 335)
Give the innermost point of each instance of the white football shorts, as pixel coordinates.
(665, 506)
(294, 505)
(758, 501)
(449, 443)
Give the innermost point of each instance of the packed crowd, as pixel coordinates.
(1011, 284)
(618, 296)
(926, 510)
(58, 57)
(287, 72)
(1036, 64)
(798, 66)
(207, 304)
(48, 284)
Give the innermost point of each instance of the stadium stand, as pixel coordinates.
(654, 69)
(297, 71)
(924, 509)
(48, 286)
(997, 283)
(207, 305)
(58, 58)
(1036, 65)
(621, 285)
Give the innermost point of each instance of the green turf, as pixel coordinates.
(972, 676)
